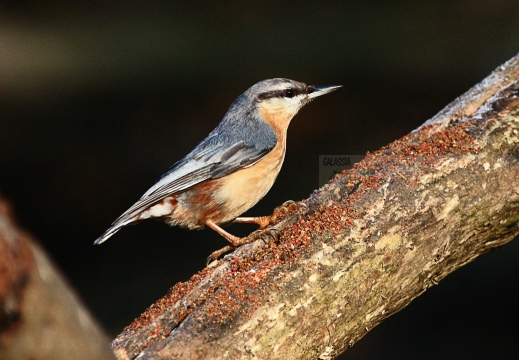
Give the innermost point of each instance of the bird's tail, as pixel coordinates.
(111, 231)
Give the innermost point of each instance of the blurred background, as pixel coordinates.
(98, 99)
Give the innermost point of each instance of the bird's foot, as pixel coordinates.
(286, 208)
(213, 257)
(278, 213)
(266, 235)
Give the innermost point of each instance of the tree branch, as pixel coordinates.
(40, 315)
(366, 245)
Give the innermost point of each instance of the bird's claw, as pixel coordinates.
(213, 257)
(265, 235)
(287, 207)
(296, 205)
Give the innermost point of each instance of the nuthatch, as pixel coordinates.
(230, 170)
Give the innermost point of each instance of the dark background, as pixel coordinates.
(97, 100)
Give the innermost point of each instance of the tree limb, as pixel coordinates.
(363, 248)
(40, 315)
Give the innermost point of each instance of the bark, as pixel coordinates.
(363, 248)
(40, 315)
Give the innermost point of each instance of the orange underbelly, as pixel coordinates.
(243, 189)
(224, 199)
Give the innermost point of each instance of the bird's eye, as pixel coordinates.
(289, 93)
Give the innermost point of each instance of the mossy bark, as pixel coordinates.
(364, 246)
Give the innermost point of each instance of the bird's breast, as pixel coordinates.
(242, 189)
(222, 200)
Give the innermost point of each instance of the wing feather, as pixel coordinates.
(234, 144)
(192, 172)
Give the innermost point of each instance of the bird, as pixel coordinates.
(231, 169)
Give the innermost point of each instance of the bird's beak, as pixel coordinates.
(315, 91)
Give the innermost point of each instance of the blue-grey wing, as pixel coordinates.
(195, 169)
(239, 141)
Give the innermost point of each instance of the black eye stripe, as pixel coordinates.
(285, 93)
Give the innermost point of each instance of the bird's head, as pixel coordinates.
(278, 100)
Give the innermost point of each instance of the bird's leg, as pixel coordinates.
(279, 212)
(234, 240)
(262, 221)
